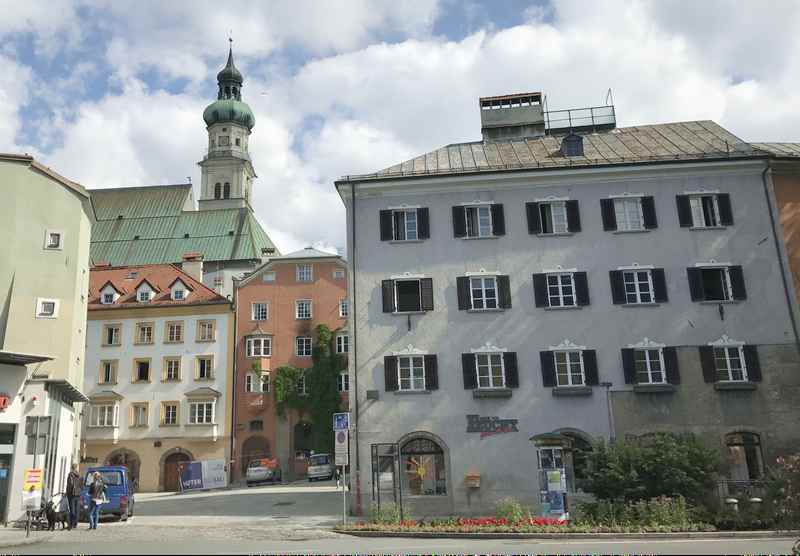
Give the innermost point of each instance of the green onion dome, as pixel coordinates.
(229, 111)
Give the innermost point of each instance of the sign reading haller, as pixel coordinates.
(341, 421)
(341, 452)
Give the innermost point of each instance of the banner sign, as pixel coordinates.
(203, 475)
(342, 456)
(341, 421)
(32, 489)
(490, 426)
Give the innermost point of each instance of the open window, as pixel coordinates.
(717, 283)
(407, 295)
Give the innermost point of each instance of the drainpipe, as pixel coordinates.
(786, 289)
(235, 412)
(353, 314)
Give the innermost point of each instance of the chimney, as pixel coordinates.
(511, 116)
(101, 264)
(193, 265)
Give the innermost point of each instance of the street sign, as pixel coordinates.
(341, 448)
(341, 421)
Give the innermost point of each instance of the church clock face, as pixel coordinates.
(224, 140)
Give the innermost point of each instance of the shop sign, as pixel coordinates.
(490, 426)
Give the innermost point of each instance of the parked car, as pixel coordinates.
(119, 490)
(320, 466)
(262, 470)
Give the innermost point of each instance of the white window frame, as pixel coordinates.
(116, 335)
(302, 385)
(259, 346)
(622, 214)
(167, 363)
(727, 358)
(144, 296)
(301, 303)
(343, 382)
(250, 382)
(210, 371)
(342, 343)
(41, 314)
(265, 381)
(205, 324)
(416, 373)
(259, 308)
(482, 230)
(483, 289)
(407, 230)
(561, 286)
(344, 308)
(47, 234)
(109, 409)
(568, 362)
(637, 286)
(104, 298)
(268, 276)
(111, 365)
(648, 361)
(177, 338)
(140, 329)
(304, 273)
(297, 346)
(727, 286)
(698, 214)
(338, 274)
(179, 295)
(193, 413)
(166, 407)
(489, 355)
(552, 206)
(134, 407)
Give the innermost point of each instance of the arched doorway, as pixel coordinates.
(130, 460)
(422, 467)
(171, 462)
(302, 438)
(254, 447)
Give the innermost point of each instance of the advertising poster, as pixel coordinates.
(32, 489)
(205, 474)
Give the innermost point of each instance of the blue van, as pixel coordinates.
(119, 490)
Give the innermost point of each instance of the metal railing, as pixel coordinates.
(743, 489)
(581, 119)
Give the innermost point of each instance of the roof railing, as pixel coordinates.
(594, 118)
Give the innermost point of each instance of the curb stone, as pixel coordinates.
(578, 536)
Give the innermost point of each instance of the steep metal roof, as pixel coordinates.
(681, 141)
(148, 225)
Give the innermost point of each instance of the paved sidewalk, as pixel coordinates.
(11, 537)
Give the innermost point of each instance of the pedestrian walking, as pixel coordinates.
(97, 497)
(73, 495)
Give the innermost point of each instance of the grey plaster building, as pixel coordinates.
(516, 298)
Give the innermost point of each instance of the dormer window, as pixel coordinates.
(108, 298)
(144, 296)
(179, 295)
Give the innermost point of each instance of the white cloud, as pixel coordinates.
(14, 82)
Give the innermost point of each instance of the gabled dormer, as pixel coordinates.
(145, 292)
(179, 290)
(109, 294)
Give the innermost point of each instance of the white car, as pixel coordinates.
(262, 470)
(320, 467)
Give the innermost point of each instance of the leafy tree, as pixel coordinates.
(655, 465)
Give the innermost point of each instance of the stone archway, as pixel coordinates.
(254, 447)
(129, 459)
(169, 478)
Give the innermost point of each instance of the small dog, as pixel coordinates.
(57, 512)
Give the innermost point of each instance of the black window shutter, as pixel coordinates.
(498, 220)
(504, 292)
(540, 290)
(581, 287)
(534, 221)
(617, 287)
(548, 369)
(725, 211)
(590, 367)
(671, 365)
(752, 363)
(426, 293)
(431, 373)
(387, 287)
(649, 213)
(573, 217)
(628, 366)
(708, 364)
(608, 214)
(660, 285)
(423, 224)
(512, 373)
(685, 218)
(468, 368)
(464, 299)
(459, 222)
(390, 373)
(737, 282)
(386, 225)
(696, 289)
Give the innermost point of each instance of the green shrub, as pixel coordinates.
(510, 508)
(655, 465)
(386, 514)
(657, 512)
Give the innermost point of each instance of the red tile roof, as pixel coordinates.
(126, 279)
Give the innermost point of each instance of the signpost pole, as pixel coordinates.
(344, 496)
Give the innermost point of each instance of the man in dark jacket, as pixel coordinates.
(73, 495)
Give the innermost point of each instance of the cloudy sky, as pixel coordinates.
(111, 93)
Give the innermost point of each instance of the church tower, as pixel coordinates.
(227, 172)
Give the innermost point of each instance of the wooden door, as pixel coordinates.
(172, 472)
